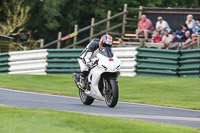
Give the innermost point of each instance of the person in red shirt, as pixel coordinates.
(194, 38)
(156, 38)
(144, 26)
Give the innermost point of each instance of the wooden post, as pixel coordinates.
(142, 43)
(25, 48)
(59, 40)
(92, 29)
(198, 44)
(140, 12)
(108, 22)
(75, 37)
(180, 46)
(124, 19)
(41, 43)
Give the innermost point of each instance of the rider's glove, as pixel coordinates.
(96, 62)
(90, 64)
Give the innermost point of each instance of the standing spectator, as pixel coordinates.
(190, 22)
(144, 26)
(184, 29)
(197, 27)
(162, 25)
(167, 39)
(156, 38)
(175, 42)
(186, 39)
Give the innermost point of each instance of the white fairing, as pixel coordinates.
(105, 64)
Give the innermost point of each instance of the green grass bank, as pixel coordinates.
(16, 120)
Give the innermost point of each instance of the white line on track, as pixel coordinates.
(36, 93)
(145, 116)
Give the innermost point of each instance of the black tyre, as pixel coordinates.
(85, 99)
(112, 94)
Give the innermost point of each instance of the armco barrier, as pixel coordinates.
(24, 62)
(63, 61)
(189, 63)
(157, 62)
(28, 55)
(28, 67)
(4, 66)
(157, 53)
(28, 62)
(4, 57)
(168, 63)
(143, 61)
(58, 61)
(127, 56)
(190, 54)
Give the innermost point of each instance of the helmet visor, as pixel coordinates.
(106, 51)
(106, 45)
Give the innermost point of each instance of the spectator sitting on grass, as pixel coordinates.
(184, 29)
(166, 39)
(144, 26)
(161, 26)
(197, 27)
(175, 42)
(156, 38)
(190, 22)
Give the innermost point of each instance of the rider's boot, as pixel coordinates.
(83, 75)
(77, 80)
(82, 82)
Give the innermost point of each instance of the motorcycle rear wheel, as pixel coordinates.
(87, 100)
(112, 94)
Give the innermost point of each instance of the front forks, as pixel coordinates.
(105, 88)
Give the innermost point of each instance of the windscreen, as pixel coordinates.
(106, 51)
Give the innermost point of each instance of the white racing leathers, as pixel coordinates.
(88, 55)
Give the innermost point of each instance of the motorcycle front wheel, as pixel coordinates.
(112, 94)
(87, 100)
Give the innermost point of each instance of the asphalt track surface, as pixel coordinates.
(175, 116)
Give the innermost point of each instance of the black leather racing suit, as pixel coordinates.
(85, 59)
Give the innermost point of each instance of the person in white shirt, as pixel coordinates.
(162, 25)
(167, 39)
(190, 22)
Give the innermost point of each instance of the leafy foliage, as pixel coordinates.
(16, 16)
(48, 17)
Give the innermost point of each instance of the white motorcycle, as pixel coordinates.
(102, 80)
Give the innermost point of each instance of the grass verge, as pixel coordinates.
(15, 120)
(175, 92)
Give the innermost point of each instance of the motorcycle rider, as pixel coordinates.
(85, 60)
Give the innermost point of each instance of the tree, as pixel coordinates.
(16, 17)
(48, 17)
